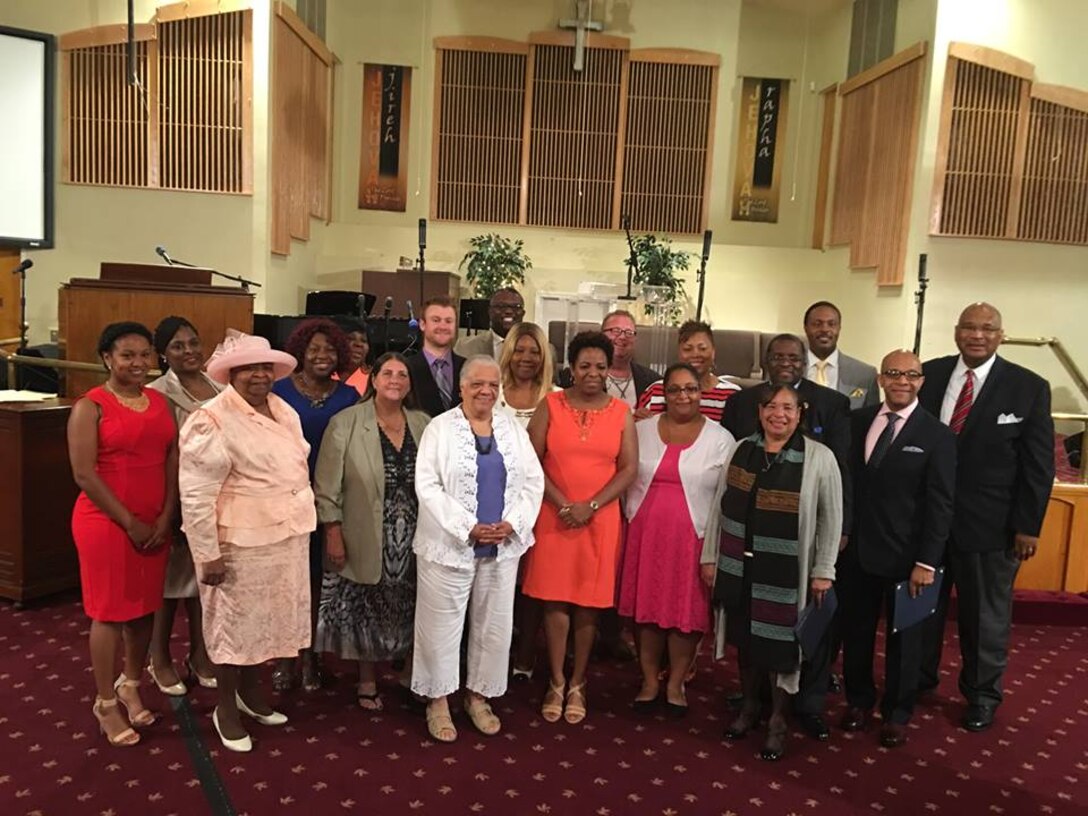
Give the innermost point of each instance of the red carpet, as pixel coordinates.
(334, 758)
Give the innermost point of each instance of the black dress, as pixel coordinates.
(374, 622)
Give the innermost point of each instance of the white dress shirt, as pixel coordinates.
(831, 372)
(955, 385)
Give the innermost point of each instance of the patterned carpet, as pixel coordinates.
(335, 758)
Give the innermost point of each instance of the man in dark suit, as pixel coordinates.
(436, 370)
(903, 468)
(1000, 413)
(826, 419)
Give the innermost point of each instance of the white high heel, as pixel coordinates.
(178, 689)
(275, 718)
(242, 745)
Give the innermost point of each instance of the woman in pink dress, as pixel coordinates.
(248, 511)
(680, 457)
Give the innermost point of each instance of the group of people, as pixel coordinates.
(419, 511)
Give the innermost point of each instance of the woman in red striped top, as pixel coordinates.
(696, 348)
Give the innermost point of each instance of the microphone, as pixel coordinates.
(161, 252)
(412, 322)
(423, 233)
(707, 235)
(23, 267)
(625, 222)
(388, 307)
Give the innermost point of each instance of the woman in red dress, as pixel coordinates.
(122, 443)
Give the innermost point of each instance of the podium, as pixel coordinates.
(145, 293)
(403, 286)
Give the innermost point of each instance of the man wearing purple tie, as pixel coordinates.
(1000, 414)
(436, 370)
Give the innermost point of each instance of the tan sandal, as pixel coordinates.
(575, 711)
(552, 707)
(440, 724)
(138, 714)
(122, 739)
(482, 716)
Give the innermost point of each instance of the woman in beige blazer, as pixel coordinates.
(366, 501)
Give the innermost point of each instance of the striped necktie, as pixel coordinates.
(963, 403)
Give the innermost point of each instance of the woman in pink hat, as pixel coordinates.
(248, 512)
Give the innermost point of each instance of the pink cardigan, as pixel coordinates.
(243, 477)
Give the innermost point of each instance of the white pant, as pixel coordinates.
(443, 594)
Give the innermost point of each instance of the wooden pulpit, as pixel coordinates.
(145, 293)
(403, 285)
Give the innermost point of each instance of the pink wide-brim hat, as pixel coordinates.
(239, 349)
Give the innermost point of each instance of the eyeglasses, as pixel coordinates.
(687, 390)
(507, 307)
(971, 328)
(784, 358)
(626, 333)
(895, 374)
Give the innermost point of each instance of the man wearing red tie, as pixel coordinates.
(1000, 413)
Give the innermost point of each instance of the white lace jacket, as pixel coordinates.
(446, 488)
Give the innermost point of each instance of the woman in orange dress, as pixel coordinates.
(586, 442)
(122, 443)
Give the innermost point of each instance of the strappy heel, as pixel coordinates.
(575, 711)
(122, 739)
(552, 707)
(138, 716)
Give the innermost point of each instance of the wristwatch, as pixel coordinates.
(594, 506)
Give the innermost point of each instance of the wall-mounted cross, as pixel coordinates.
(580, 26)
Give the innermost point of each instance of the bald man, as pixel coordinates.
(903, 471)
(1000, 414)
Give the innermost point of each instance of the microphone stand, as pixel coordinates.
(22, 311)
(700, 276)
(245, 283)
(920, 301)
(632, 259)
(422, 256)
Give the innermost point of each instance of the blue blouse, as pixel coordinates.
(315, 419)
(490, 489)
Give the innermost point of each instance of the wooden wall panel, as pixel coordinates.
(1054, 202)
(877, 148)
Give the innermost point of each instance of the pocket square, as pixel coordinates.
(1008, 419)
(912, 449)
(857, 393)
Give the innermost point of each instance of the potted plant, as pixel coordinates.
(493, 263)
(658, 265)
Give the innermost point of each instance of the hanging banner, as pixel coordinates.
(762, 135)
(383, 165)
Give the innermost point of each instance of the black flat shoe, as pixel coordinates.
(775, 745)
(745, 722)
(676, 711)
(644, 706)
(978, 718)
(814, 726)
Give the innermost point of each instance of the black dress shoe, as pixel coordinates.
(893, 735)
(978, 717)
(834, 683)
(814, 726)
(855, 719)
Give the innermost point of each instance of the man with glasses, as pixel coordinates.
(626, 378)
(826, 419)
(903, 468)
(1000, 415)
(505, 310)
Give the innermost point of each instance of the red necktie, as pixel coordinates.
(963, 403)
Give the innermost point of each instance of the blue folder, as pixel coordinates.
(912, 611)
(813, 621)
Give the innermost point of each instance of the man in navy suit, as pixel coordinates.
(903, 469)
(1000, 413)
(827, 420)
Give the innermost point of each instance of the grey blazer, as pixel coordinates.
(857, 380)
(349, 485)
(482, 343)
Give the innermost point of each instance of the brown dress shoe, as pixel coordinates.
(892, 735)
(855, 719)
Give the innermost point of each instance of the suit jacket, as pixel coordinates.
(827, 420)
(426, 389)
(481, 343)
(644, 377)
(857, 380)
(902, 507)
(1005, 454)
(349, 485)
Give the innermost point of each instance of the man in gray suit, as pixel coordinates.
(830, 367)
(507, 308)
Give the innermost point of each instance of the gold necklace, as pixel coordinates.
(138, 403)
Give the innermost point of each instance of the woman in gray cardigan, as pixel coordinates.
(770, 548)
(365, 489)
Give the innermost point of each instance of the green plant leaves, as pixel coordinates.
(494, 262)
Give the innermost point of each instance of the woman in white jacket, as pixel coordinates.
(479, 485)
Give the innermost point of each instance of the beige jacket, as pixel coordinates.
(349, 485)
